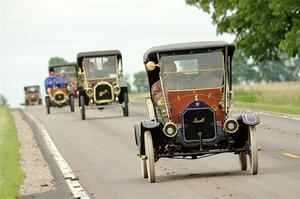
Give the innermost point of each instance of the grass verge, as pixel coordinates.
(11, 175)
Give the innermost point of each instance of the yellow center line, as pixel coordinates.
(290, 155)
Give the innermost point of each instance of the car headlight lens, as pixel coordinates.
(89, 92)
(117, 90)
(231, 125)
(170, 129)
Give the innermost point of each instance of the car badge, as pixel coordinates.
(197, 121)
(101, 93)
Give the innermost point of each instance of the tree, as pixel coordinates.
(126, 81)
(262, 27)
(57, 60)
(140, 81)
(3, 100)
(283, 69)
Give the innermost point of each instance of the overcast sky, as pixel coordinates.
(32, 31)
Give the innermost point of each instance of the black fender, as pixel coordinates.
(86, 98)
(124, 89)
(250, 119)
(139, 130)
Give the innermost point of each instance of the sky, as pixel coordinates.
(32, 31)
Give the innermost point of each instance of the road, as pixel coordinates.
(102, 152)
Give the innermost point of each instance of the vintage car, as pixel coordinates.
(32, 95)
(61, 95)
(100, 80)
(190, 108)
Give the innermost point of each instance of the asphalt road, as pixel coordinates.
(102, 152)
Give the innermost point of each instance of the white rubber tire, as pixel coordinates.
(243, 160)
(253, 152)
(149, 156)
(144, 168)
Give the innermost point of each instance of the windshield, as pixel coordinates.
(192, 71)
(100, 67)
(70, 71)
(31, 89)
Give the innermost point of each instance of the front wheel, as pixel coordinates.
(126, 102)
(47, 100)
(243, 160)
(144, 168)
(252, 150)
(149, 156)
(71, 102)
(82, 103)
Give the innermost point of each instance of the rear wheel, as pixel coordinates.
(71, 102)
(82, 107)
(125, 108)
(149, 156)
(243, 160)
(144, 168)
(252, 150)
(47, 100)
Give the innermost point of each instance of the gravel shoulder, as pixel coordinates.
(38, 177)
(43, 178)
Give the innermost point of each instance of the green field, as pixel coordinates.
(276, 97)
(11, 175)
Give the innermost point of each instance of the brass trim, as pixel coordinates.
(165, 99)
(62, 101)
(150, 65)
(225, 124)
(221, 87)
(106, 100)
(176, 129)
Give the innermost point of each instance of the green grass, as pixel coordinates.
(276, 97)
(11, 175)
(138, 96)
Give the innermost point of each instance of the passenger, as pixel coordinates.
(156, 89)
(51, 82)
(63, 80)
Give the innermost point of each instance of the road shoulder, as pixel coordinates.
(61, 188)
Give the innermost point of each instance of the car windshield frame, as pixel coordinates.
(32, 89)
(98, 67)
(182, 77)
(69, 74)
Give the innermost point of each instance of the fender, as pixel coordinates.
(139, 129)
(124, 89)
(250, 119)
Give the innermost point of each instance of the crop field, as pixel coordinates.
(277, 97)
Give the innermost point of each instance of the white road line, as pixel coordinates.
(73, 183)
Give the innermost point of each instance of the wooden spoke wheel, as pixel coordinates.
(252, 150)
(149, 156)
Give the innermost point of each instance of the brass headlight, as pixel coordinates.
(170, 129)
(231, 125)
(89, 92)
(117, 90)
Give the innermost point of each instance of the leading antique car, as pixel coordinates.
(32, 95)
(61, 94)
(190, 108)
(100, 80)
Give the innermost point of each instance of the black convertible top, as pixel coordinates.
(82, 55)
(186, 46)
